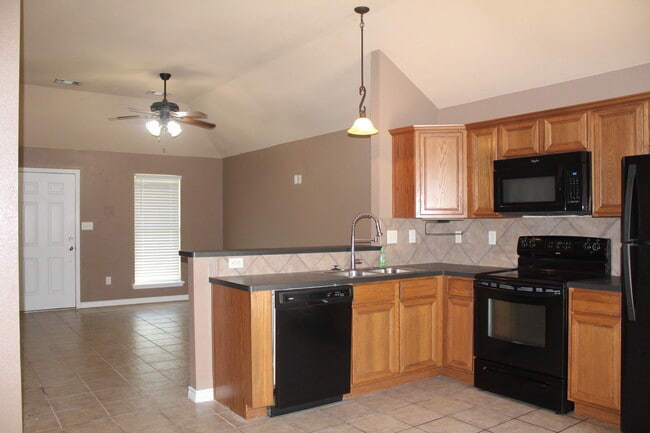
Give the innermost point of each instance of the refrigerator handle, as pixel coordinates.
(627, 206)
(629, 289)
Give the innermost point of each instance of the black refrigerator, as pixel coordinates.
(635, 240)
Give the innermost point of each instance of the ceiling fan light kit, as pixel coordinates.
(362, 126)
(165, 115)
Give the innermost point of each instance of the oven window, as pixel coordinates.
(529, 189)
(517, 323)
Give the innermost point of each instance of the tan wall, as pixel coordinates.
(107, 201)
(263, 207)
(604, 86)
(10, 392)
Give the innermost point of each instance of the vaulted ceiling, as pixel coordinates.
(272, 71)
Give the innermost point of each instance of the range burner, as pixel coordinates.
(521, 318)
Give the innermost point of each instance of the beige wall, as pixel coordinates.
(10, 392)
(264, 208)
(107, 201)
(604, 86)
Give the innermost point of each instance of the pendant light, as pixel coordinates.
(362, 126)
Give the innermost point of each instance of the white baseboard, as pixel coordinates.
(149, 300)
(200, 396)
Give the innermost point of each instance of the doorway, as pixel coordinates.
(49, 238)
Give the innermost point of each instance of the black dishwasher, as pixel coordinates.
(313, 330)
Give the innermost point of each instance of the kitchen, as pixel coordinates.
(475, 229)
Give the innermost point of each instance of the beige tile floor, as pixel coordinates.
(125, 370)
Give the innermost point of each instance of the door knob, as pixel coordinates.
(71, 248)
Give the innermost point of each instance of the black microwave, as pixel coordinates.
(554, 184)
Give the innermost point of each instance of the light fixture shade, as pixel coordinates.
(153, 126)
(174, 128)
(363, 126)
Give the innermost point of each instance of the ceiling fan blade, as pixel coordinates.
(134, 116)
(193, 114)
(195, 122)
(139, 110)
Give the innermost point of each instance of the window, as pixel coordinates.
(157, 222)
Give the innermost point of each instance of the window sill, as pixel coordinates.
(160, 285)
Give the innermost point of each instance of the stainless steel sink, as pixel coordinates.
(351, 273)
(390, 270)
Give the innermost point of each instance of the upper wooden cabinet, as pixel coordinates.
(564, 133)
(518, 139)
(429, 178)
(615, 131)
(481, 151)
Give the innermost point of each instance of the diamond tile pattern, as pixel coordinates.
(125, 370)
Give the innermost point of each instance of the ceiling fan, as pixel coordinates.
(164, 115)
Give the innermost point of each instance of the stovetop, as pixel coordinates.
(552, 261)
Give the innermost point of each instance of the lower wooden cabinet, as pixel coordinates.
(420, 314)
(459, 328)
(375, 332)
(595, 353)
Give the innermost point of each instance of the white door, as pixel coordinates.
(48, 239)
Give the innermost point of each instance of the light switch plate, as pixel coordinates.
(492, 237)
(87, 225)
(458, 237)
(391, 236)
(235, 263)
(412, 236)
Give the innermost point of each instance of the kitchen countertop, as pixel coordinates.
(300, 280)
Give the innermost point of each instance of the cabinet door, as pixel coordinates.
(420, 324)
(481, 151)
(375, 335)
(518, 139)
(615, 131)
(440, 169)
(459, 324)
(565, 133)
(595, 348)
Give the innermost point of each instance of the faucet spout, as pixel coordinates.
(354, 240)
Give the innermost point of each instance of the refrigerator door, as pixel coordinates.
(636, 199)
(635, 371)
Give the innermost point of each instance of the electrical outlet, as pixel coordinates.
(492, 237)
(412, 236)
(391, 236)
(235, 263)
(458, 237)
(297, 179)
(108, 281)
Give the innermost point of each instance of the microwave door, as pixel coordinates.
(536, 189)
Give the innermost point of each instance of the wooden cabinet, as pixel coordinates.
(595, 353)
(420, 316)
(459, 328)
(429, 164)
(564, 133)
(615, 131)
(375, 332)
(518, 139)
(481, 152)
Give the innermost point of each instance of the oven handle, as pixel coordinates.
(512, 373)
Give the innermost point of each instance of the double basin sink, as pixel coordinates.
(351, 273)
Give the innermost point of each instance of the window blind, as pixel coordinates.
(157, 224)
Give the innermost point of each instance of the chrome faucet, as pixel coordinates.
(353, 239)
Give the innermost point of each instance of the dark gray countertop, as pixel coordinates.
(267, 251)
(612, 284)
(300, 280)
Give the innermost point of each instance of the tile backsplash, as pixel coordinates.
(439, 245)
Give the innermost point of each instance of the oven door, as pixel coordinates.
(525, 330)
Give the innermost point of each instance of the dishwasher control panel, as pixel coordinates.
(314, 295)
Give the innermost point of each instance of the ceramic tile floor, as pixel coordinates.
(125, 370)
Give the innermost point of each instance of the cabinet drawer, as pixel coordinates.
(374, 292)
(596, 302)
(462, 287)
(418, 288)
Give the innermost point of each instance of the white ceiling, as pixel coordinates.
(272, 71)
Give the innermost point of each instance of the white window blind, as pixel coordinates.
(157, 201)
